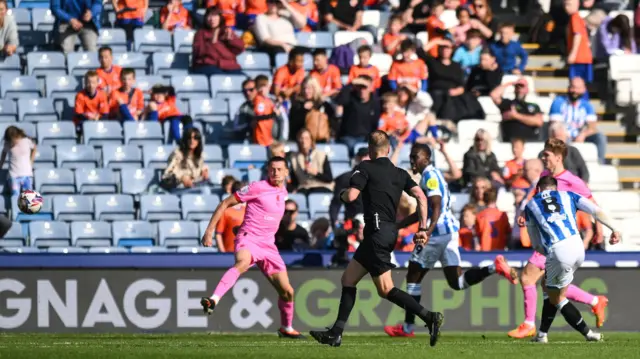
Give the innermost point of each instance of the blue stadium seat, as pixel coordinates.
(10, 66)
(42, 20)
(99, 133)
(115, 38)
(91, 234)
(14, 87)
(150, 249)
(54, 180)
(254, 174)
(15, 237)
(336, 152)
(196, 207)
(76, 156)
(213, 156)
(66, 250)
(108, 250)
(183, 40)
(209, 110)
(136, 181)
(168, 137)
(178, 233)
(242, 156)
(150, 40)
(73, 208)
(96, 181)
(56, 133)
(458, 201)
(164, 207)
(156, 156)
(133, 233)
(282, 59)
(169, 64)
(27, 250)
(78, 63)
(37, 110)
(31, 40)
(32, 4)
(46, 63)
(338, 168)
(8, 111)
(114, 207)
(217, 175)
(142, 133)
(45, 157)
(49, 234)
(317, 39)
(134, 60)
(319, 204)
(146, 82)
(62, 87)
(224, 85)
(191, 86)
(22, 18)
(45, 214)
(119, 156)
(214, 132)
(301, 200)
(195, 250)
(254, 61)
(28, 128)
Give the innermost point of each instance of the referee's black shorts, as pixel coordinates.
(374, 253)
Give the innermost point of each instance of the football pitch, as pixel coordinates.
(356, 346)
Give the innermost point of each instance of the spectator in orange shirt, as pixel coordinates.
(523, 189)
(409, 70)
(513, 169)
(162, 107)
(127, 102)
(435, 27)
(265, 113)
(327, 75)
(303, 14)
(393, 37)
(252, 8)
(229, 10)
(365, 68)
(108, 73)
(579, 56)
(467, 234)
(175, 16)
(492, 225)
(288, 78)
(130, 15)
(230, 221)
(392, 119)
(91, 102)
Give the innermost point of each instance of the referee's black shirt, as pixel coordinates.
(381, 184)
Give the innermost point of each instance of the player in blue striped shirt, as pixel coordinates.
(442, 242)
(552, 227)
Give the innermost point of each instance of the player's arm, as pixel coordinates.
(417, 193)
(598, 213)
(357, 182)
(207, 239)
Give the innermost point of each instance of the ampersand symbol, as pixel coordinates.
(245, 313)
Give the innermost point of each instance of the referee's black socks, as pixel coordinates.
(347, 301)
(573, 316)
(405, 301)
(548, 315)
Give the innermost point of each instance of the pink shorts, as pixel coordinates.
(538, 260)
(264, 254)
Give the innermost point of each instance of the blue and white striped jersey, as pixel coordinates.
(433, 184)
(553, 214)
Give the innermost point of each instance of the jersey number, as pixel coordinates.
(551, 204)
(419, 249)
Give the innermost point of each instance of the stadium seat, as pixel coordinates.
(115, 38)
(134, 60)
(22, 18)
(62, 88)
(96, 181)
(8, 111)
(110, 207)
(191, 86)
(46, 63)
(254, 175)
(150, 249)
(245, 155)
(136, 181)
(490, 109)
(196, 207)
(72, 208)
(54, 180)
(31, 41)
(254, 61)
(149, 40)
(108, 250)
(209, 110)
(67, 250)
(371, 17)
(14, 87)
(603, 178)
(160, 207)
(301, 200)
(45, 157)
(183, 40)
(119, 157)
(317, 39)
(78, 63)
(467, 129)
(45, 214)
(223, 85)
(166, 128)
(589, 151)
(178, 233)
(336, 152)
(42, 20)
(49, 234)
(503, 152)
(338, 168)
(620, 204)
(146, 82)
(10, 66)
(133, 233)
(14, 238)
(458, 201)
(76, 156)
(28, 128)
(195, 250)
(170, 64)
(216, 176)
(156, 156)
(282, 59)
(142, 133)
(99, 133)
(37, 110)
(345, 37)
(319, 204)
(381, 61)
(56, 133)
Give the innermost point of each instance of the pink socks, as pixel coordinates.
(578, 295)
(228, 280)
(286, 314)
(530, 303)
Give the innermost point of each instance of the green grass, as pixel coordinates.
(451, 345)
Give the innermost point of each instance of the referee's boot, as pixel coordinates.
(207, 305)
(434, 321)
(327, 337)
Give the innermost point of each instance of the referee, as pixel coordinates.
(381, 184)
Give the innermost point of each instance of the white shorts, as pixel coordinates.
(564, 258)
(440, 248)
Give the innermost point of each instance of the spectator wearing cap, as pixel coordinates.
(77, 18)
(520, 118)
(342, 181)
(215, 46)
(468, 54)
(579, 55)
(579, 117)
(573, 161)
(310, 168)
(508, 51)
(486, 76)
(162, 108)
(291, 236)
(273, 32)
(345, 15)
(359, 110)
(9, 41)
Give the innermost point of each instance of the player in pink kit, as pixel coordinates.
(553, 157)
(255, 242)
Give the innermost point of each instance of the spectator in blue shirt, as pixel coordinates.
(579, 117)
(77, 18)
(468, 55)
(508, 50)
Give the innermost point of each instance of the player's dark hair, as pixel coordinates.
(407, 44)
(507, 24)
(366, 78)
(462, 9)
(127, 71)
(378, 141)
(490, 196)
(261, 81)
(295, 53)
(547, 182)
(228, 179)
(105, 48)
(291, 201)
(365, 48)
(317, 52)
(421, 147)
(275, 159)
(246, 82)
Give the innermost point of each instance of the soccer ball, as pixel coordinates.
(30, 202)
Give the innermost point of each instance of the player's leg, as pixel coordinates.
(531, 274)
(280, 281)
(597, 303)
(243, 263)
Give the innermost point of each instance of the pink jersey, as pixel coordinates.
(265, 208)
(567, 181)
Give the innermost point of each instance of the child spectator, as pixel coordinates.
(22, 153)
(288, 78)
(435, 27)
(468, 239)
(392, 120)
(304, 14)
(175, 16)
(162, 107)
(468, 55)
(327, 75)
(229, 9)
(365, 68)
(230, 221)
(393, 37)
(265, 113)
(91, 102)
(409, 70)
(513, 169)
(579, 55)
(127, 102)
(507, 50)
(108, 73)
(130, 15)
(459, 32)
(227, 184)
(492, 225)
